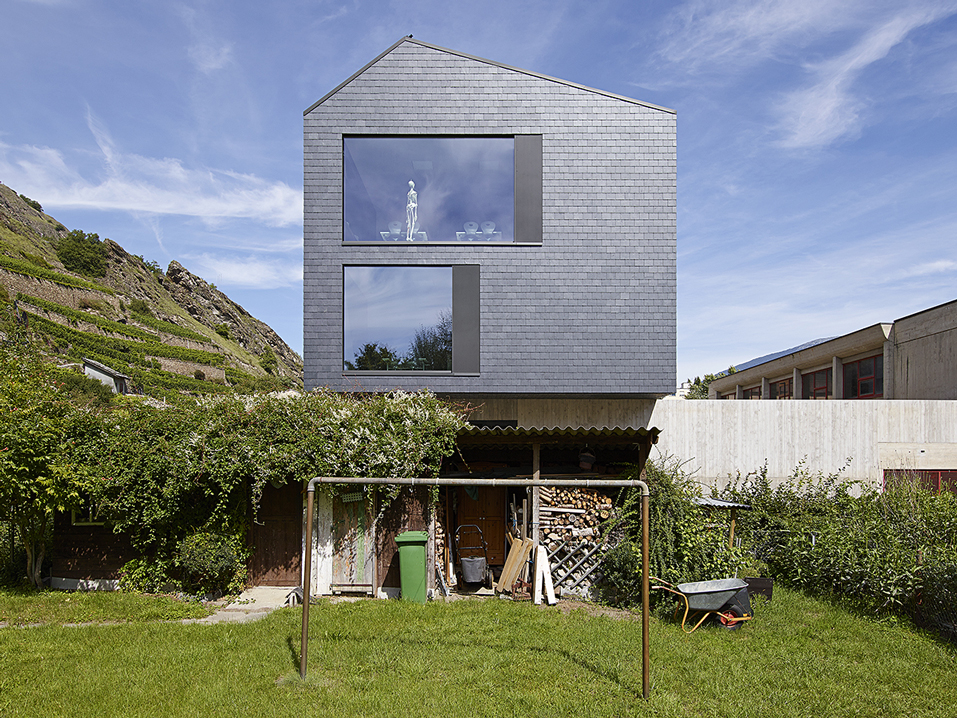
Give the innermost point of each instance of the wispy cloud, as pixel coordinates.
(828, 109)
(138, 184)
(708, 37)
(207, 52)
(250, 272)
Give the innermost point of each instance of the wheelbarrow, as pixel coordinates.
(474, 569)
(727, 599)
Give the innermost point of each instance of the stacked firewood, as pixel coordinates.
(566, 514)
(573, 522)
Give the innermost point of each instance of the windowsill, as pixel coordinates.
(477, 243)
(387, 372)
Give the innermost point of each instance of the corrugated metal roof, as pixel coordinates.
(554, 435)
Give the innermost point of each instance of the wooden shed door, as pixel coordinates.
(488, 513)
(277, 538)
(353, 548)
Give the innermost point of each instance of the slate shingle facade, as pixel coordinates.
(589, 311)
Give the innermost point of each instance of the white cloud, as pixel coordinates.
(206, 52)
(250, 272)
(828, 109)
(941, 266)
(147, 185)
(705, 36)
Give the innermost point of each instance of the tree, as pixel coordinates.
(38, 472)
(82, 253)
(372, 357)
(699, 387)
(431, 349)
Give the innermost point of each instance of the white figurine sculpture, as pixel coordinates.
(411, 212)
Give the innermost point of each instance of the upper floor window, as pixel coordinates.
(428, 189)
(864, 379)
(753, 393)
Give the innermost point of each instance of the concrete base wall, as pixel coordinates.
(718, 438)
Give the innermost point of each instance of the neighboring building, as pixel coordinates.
(504, 239)
(119, 383)
(912, 358)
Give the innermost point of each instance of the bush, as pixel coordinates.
(267, 360)
(881, 552)
(82, 253)
(223, 330)
(141, 575)
(32, 202)
(211, 563)
(84, 388)
(139, 306)
(685, 546)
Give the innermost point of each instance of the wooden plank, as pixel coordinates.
(547, 577)
(510, 561)
(521, 552)
(538, 579)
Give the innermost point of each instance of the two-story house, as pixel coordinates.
(504, 239)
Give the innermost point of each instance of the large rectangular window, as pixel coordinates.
(441, 189)
(411, 318)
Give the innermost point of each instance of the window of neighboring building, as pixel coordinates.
(935, 480)
(817, 385)
(753, 393)
(441, 189)
(864, 379)
(411, 318)
(782, 389)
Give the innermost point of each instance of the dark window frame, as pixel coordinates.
(817, 384)
(782, 389)
(856, 381)
(528, 192)
(466, 322)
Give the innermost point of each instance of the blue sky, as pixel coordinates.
(817, 142)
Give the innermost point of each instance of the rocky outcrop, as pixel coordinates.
(178, 296)
(213, 309)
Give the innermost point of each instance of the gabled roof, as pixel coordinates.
(410, 39)
(104, 369)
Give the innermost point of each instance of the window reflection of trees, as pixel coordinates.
(429, 350)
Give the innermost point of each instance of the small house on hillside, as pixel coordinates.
(119, 383)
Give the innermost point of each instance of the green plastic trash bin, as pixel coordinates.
(412, 564)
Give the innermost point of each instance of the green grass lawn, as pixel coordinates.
(28, 607)
(798, 657)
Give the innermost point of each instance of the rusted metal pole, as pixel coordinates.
(645, 599)
(410, 481)
(306, 582)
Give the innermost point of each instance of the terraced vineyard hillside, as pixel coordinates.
(79, 297)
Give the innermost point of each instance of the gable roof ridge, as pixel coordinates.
(539, 75)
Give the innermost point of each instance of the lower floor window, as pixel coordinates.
(936, 480)
(782, 389)
(411, 318)
(753, 393)
(817, 385)
(864, 379)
